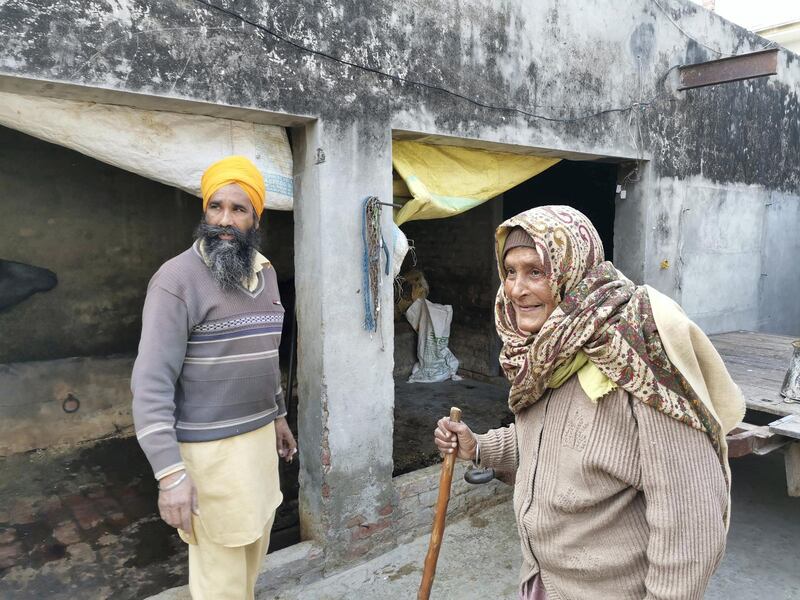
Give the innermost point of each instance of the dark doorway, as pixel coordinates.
(588, 186)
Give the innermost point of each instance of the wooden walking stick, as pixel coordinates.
(445, 479)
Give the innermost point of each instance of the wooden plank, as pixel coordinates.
(788, 426)
(750, 65)
(746, 439)
(766, 338)
(773, 407)
(757, 362)
(752, 354)
(792, 460)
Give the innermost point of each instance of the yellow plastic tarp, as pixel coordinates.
(448, 180)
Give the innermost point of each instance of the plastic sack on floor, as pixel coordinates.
(435, 361)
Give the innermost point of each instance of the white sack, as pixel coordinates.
(168, 147)
(435, 361)
(398, 250)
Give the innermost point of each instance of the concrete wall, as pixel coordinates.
(103, 231)
(510, 54)
(732, 252)
(560, 59)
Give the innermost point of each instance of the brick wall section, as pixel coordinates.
(457, 257)
(411, 513)
(416, 495)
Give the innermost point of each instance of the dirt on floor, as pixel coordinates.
(83, 523)
(418, 406)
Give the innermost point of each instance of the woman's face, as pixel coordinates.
(528, 288)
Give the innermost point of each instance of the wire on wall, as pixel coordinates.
(422, 84)
(766, 46)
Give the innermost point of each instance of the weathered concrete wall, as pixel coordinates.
(457, 257)
(65, 401)
(103, 231)
(510, 54)
(732, 252)
(558, 59)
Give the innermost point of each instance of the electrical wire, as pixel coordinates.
(422, 84)
(767, 46)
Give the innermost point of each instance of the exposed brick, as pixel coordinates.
(53, 510)
(107, 539)
(136, 506)
(110, 510)
(85, 512)
(357, 550)
(7, 535)
(10, 554)
(81, 552)
(22, 511)
(355, 521)
(95, 492)
(51, 503)
(326, 490)
(368, 529)
(386, 510)
(118, 520)
(67, 533)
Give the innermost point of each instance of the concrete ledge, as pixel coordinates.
(301, 564)
(36, 399)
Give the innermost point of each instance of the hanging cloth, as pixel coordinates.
(168, 147)
(444, 181)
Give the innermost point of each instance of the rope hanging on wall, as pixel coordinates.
(373, 242)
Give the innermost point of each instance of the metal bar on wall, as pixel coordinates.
(726, 70)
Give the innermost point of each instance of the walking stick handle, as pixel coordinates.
(437, 533)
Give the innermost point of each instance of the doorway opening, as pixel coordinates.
(456, 258)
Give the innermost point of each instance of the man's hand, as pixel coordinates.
(450, 436)
(287, 447)
(177, 505)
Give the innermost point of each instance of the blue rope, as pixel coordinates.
(370, 322)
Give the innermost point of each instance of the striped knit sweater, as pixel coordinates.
(613, 500)
(207, 367)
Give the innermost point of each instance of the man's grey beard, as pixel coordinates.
(230, 261)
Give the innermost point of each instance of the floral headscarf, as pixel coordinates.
(600, 312)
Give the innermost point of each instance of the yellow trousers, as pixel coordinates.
(219, 572)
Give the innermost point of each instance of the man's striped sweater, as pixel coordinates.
(207, 367)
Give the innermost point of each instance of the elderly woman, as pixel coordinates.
(621, 406)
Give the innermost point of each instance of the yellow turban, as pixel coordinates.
(234, 169)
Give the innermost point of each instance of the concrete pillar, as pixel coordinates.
(345, 381)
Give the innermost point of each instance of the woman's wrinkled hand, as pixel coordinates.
(450, 436)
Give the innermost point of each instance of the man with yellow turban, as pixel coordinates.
(208, 407)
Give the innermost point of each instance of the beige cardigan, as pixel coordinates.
(614, 499)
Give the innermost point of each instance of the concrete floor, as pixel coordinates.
(480, 555)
